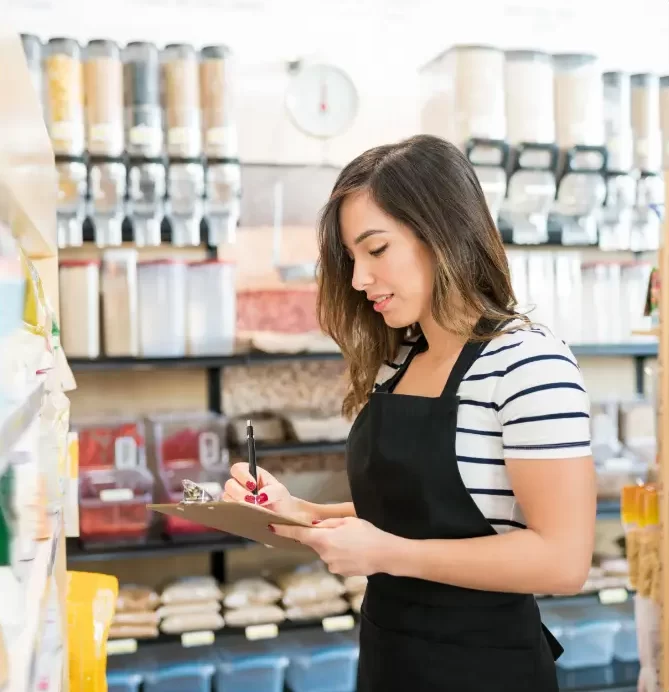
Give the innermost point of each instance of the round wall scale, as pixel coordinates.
(322, 100)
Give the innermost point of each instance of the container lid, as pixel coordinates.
(211, 260)
(523, 55)
(162, 260)
(664, 81)
(215, 52)
(79, 263)
(643, 78)
(573, 60)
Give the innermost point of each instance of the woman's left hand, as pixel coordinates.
(350, 547)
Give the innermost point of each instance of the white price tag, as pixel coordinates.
(613, 595)
(201, 638)
(209, 448)
(126, 455)
(116, 495)
(255, 632)
(116, 647)
(338, 623)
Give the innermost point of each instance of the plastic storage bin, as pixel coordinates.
(120, 681)
(80, 308)
(586, 630)
(243, 666)
(110, 443)
(211, 308)
(118, 287)
(189, 446)
(322, 662)
(112, 504)
(162, 308)
(175, 669)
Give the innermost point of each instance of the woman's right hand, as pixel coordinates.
(271, 494)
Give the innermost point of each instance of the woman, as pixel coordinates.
(469, 460)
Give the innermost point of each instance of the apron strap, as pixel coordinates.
(469, 353)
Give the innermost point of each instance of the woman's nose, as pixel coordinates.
(361, 277)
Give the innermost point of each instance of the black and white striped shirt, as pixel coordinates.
(523, 398)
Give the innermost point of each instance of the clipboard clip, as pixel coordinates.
(194, 493)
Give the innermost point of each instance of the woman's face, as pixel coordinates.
(391, 265)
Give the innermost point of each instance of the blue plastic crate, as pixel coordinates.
(180, 677)
(121, 681)
(243, 666)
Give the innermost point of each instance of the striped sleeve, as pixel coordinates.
(541, 401)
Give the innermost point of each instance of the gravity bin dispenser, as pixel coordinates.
(530, 193)
(489, 157)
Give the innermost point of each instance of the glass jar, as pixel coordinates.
(218, 123)
(143, 114)
(65, 96)
(103, 82)
(181, 94)
(646, 122)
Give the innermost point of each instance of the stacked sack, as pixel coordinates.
(135, 616)
(252, 601)
(191, 604)
(312, 593)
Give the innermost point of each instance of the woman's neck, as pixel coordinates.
(441, 342)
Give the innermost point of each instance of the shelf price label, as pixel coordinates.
(116, 647)
(338, 623)
(613, 596)
(200, 638)
(256, 632)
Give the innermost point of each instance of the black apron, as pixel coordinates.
(419, 635)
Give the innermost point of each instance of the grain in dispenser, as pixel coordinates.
(646, 122)
(579, 100)
(528, 79)
(103, 82)
(478, 77)
(64, 96)
(181, 95)
(143, 113)
(216, 98)
(664, 119)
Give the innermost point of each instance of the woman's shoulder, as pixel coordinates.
(389, 368)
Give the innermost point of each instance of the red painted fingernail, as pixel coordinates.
(316, 521)
(271, 528)
(262, 498)
(251, 499)
(250, 485)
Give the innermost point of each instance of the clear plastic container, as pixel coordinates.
(79, 294)
(243, 666)
(112, 504)
(617, 120)
(111, 442)
(120, 681)
(211, 308)
(579, 100)
(194, 677)
(103, 82)
(65, 96)
(143, 111)
(528, 81)
(181, 93)
(118, 286)
(162, 308)
(322, 663)
(32, 48)
(585, 630)
(218, 123)
(646, 122)
(189, 446)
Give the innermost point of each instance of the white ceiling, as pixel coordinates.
(380, 34)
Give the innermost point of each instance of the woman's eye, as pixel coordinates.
(379, 251)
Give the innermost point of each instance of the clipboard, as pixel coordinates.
(239, 519)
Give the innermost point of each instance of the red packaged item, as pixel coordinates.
(112, 504)
(110, 443)
(189, 446)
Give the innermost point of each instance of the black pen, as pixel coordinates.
(252, 454)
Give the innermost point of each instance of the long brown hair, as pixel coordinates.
(427, 184)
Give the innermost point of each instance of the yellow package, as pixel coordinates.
(36, 311)
(91, 601)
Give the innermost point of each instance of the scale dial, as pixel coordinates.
(322, 101)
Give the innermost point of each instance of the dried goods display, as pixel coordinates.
(215, 95)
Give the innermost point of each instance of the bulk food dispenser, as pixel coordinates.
(223, 171)
(580, 137)
(185, 173)
(144, 142)
(103, 81)
(617, 214)
(64, 115)
(647, 135)
(530, 123)
(463, 95)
